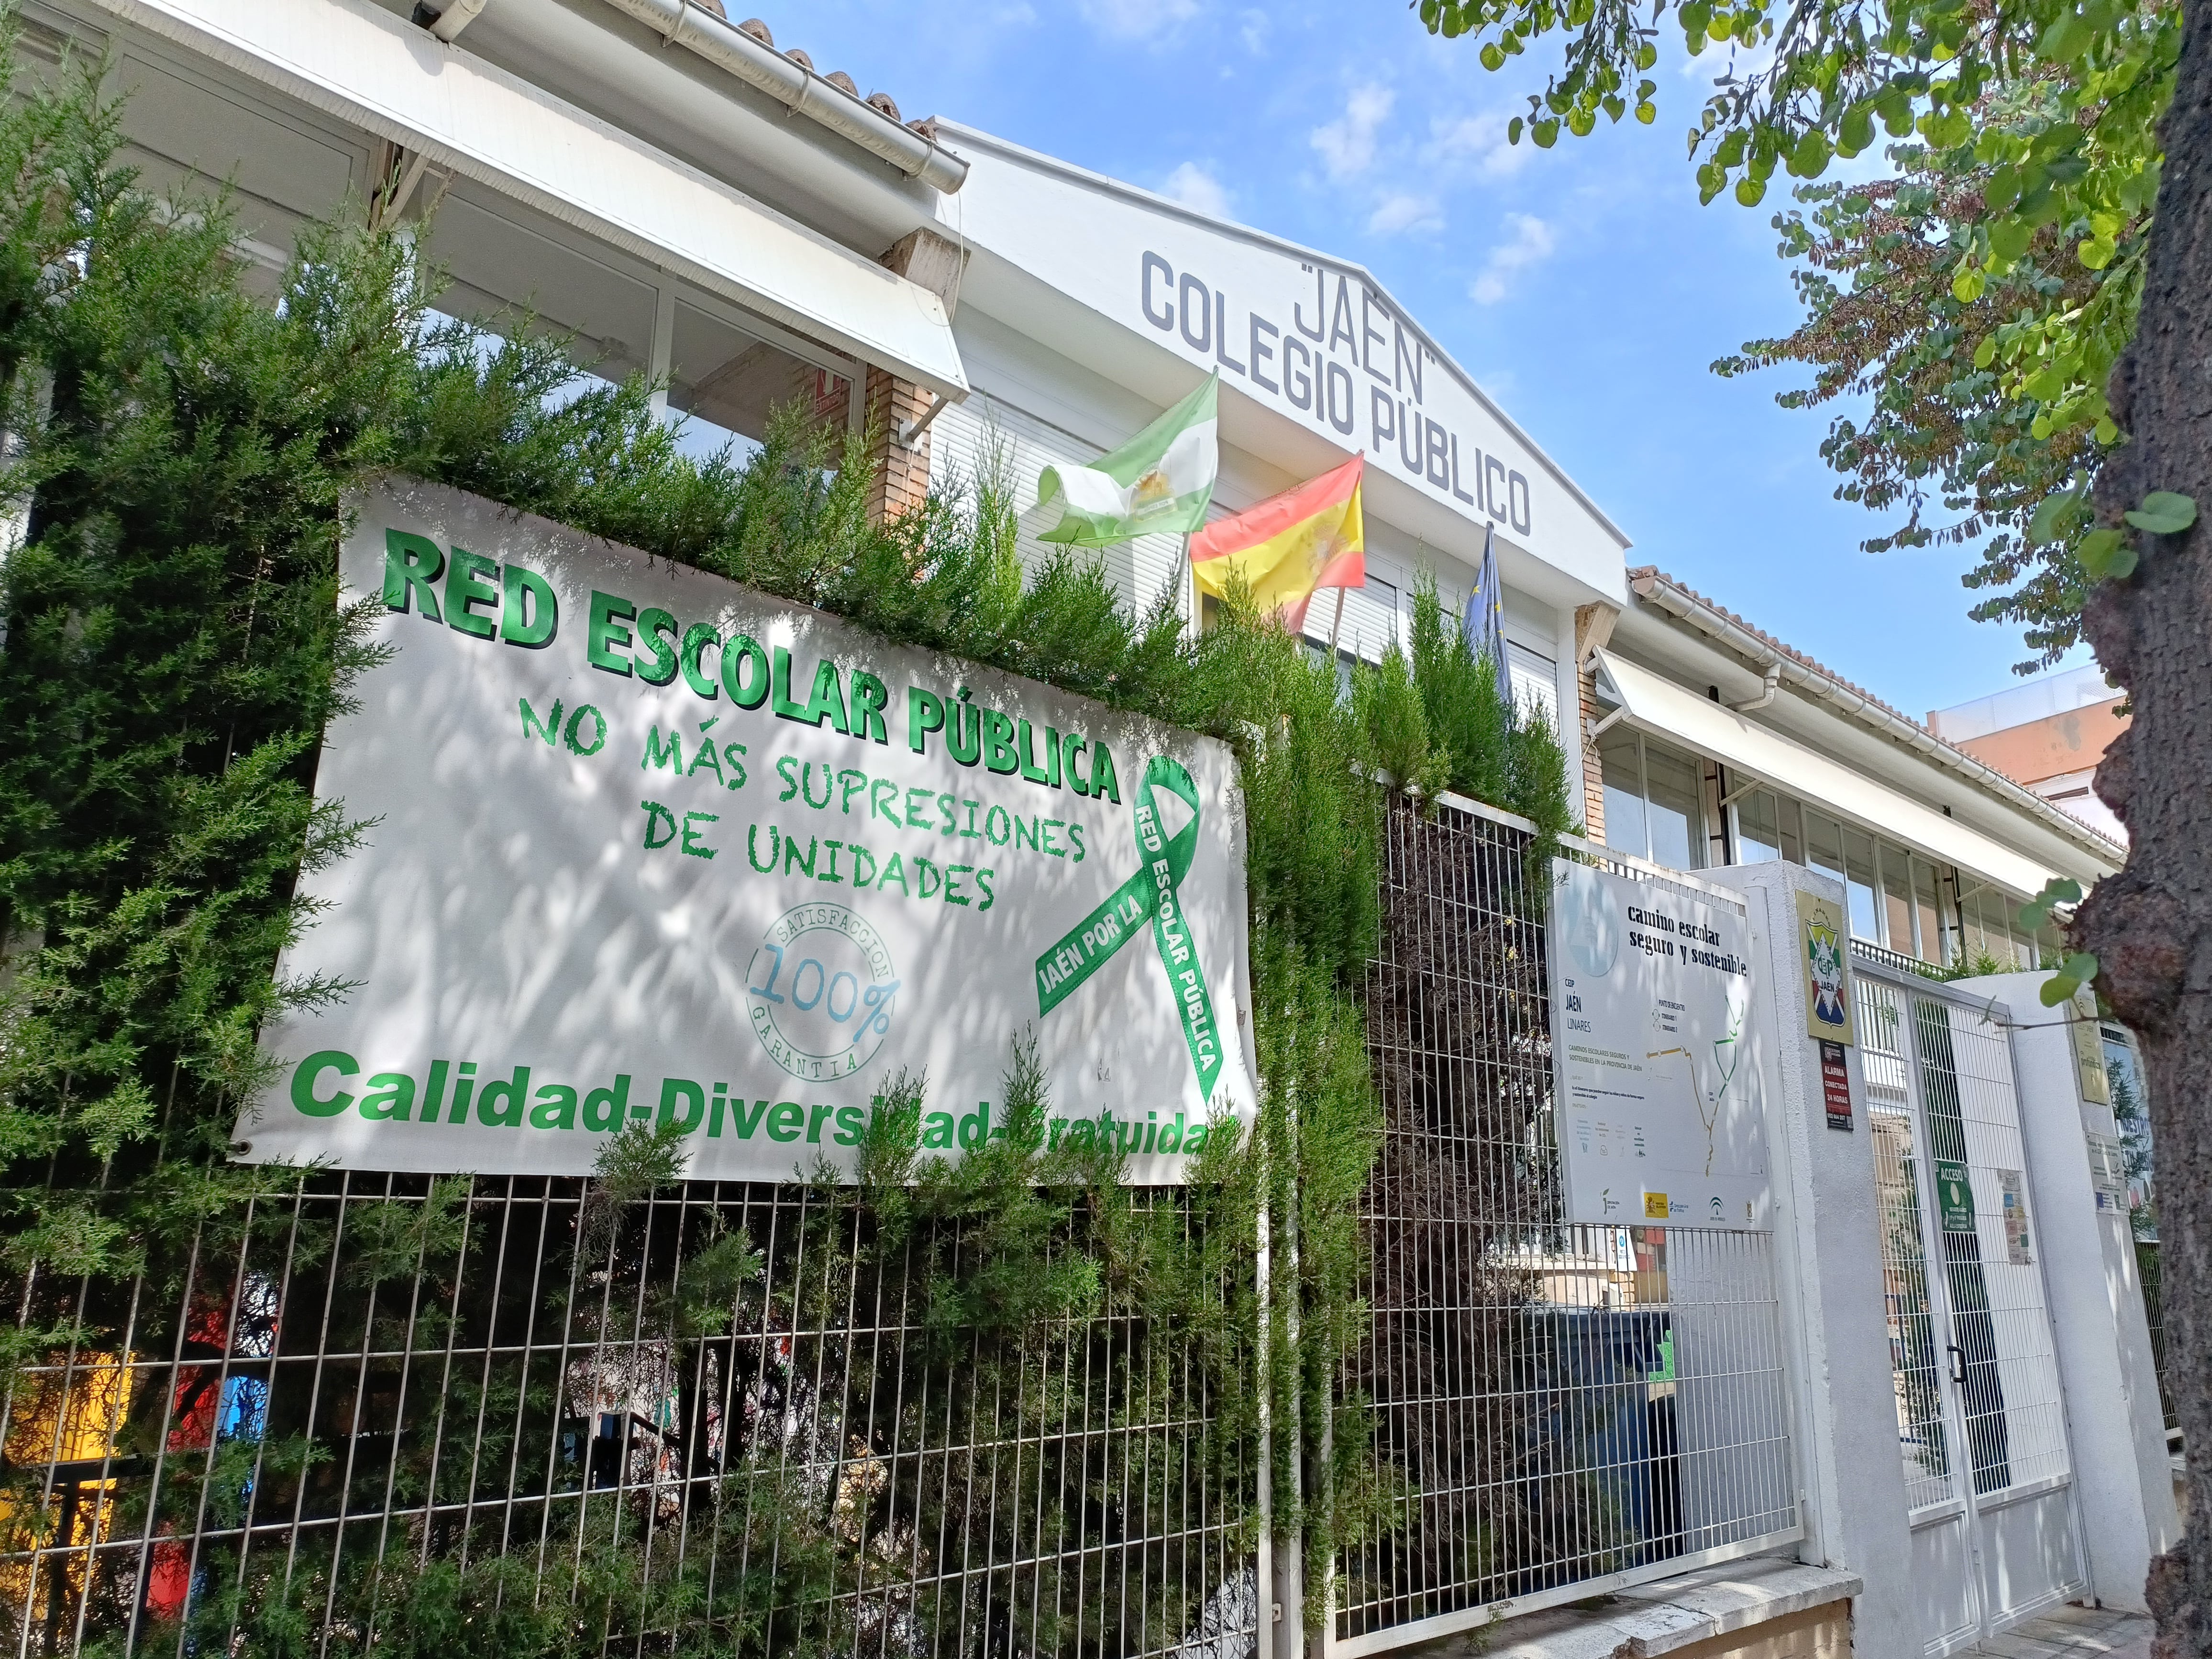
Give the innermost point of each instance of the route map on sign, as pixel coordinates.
(1660, 1097)
(1711, 1102)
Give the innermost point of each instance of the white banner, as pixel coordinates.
(1662, 1077)
(646, 846)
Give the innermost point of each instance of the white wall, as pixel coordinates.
(1828, 1263)
(2121, 1468)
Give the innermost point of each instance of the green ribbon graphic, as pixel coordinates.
(1155, 892)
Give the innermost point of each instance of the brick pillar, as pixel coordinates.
(902, 475)
(1593, 628)
(825, 395)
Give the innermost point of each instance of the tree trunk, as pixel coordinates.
(2151, 925)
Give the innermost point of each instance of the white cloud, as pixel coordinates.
(1254, 27)
(1478, 141)
(1194, 187)
(1347, 145)
(1532, 244)
(1404, 211)
(1151, 21)
(1013, 16)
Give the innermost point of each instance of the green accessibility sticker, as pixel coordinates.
(1955, 1197)
(1154, 892)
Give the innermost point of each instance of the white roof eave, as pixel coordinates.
(381, 74)
(1666, 710)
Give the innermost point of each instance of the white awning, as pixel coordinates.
(380, 73)
(1712, 728)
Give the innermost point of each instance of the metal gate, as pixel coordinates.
(1980, 1413)
(1558, 1411)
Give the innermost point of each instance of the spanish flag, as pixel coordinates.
(1287, 546)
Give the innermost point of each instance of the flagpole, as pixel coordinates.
(1334, 626)
(1190, 589)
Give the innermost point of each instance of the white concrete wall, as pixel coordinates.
(1828, 1264)
(2122, 1474)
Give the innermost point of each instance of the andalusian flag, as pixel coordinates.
(1160, 480)
(1289, 545)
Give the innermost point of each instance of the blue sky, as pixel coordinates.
(1584, 287)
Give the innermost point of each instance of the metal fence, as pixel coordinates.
(2148, 1264)
(390, 1414)
(381, 1413)
(1564, 1408)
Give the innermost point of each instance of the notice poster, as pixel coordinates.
(1836, 1085)
(641, 846)
(1661, 1082)
(2019, 1245)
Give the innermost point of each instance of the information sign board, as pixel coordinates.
(1661, 1077)
(643, 846)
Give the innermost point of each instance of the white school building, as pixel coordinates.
(1974, 1433)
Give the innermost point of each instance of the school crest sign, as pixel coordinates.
(1822, 936)
(643, 846)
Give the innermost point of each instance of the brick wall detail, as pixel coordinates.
(902, 475)
(1593, 628)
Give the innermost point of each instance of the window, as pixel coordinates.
(1652, 807)
(1766, 829)
(1988, 916)
(726, 369)
(1535, 681)
(1896, 899)
(1862, 881)
(1620, 760)
(1670, 790)
(1823, 844)
(1935, 942)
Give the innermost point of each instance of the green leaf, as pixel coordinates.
(1810, 159)
(1856, 131)
(1749, 191)
(1986, 352)
(2049, 522)
(2106, 557)
(1492, 57)
(2163, 513)
(2059, 889)
(1513, 131)
(1546, 133)
(2056, 989)
(2010, 235)
(2082, 966)
(2067, 39)
(1966, 287)
(1647, 111)
(2095, 252)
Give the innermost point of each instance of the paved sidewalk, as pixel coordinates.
(2072, 1632)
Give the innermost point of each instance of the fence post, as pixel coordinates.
(1829, 1277)
(2123, 1475)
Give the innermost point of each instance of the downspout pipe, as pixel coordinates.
(1869, 712)
(1766, 695)
(448, 24)
(799, 89)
